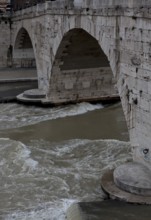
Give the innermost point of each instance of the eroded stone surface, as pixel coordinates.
(134, 178)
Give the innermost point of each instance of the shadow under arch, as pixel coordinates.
(81, 70)
(23, 51)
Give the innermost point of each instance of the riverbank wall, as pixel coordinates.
(5, 42)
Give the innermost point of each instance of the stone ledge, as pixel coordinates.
(114, 192)
(3, 81)
(23, 99)
(108, 210)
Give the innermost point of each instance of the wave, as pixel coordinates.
(43, 179)
(15, 115)
(47, 211)
(15, 158)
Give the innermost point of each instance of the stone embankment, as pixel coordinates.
(14, 81)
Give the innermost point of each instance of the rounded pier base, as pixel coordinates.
(32, 96)
(134, 178)
(130, 182)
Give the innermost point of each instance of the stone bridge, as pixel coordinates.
(84, 49)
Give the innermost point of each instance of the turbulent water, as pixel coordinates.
(42, 175)
(14, 115)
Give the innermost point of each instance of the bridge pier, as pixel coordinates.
(130, 182)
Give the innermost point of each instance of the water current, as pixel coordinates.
(51, 158)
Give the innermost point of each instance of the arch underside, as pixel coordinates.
(23, 53)
(81, 70)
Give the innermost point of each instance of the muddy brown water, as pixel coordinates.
(53, 157)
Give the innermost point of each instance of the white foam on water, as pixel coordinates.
(15, 155)
(40, 181)
(23, 154)
(48, 211)
(15, 115)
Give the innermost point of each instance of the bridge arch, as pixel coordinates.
(23, 51)
(23, 39)
(81, 70)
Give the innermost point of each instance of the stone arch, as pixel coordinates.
(81, 70)
(23, 51)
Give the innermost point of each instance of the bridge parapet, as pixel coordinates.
(95, 4)
(136, 8)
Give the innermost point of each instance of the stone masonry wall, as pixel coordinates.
(5, 45)
(24, 58)
(82, 85)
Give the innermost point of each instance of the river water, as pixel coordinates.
(51, 158)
